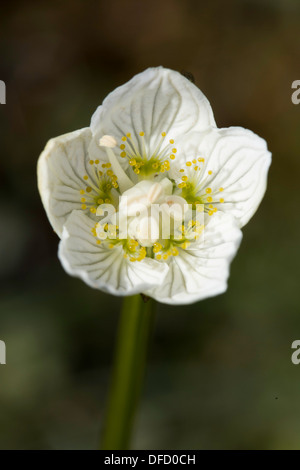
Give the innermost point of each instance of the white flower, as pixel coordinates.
(92, 179)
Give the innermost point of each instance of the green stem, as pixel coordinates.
(132, 341)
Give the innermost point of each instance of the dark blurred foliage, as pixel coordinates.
(219, 372)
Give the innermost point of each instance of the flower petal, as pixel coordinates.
(101, 267)
(61, 168)
(202, 271)
(154, 101)
(238, 161)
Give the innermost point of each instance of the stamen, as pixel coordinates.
(124, 181)
(108, 141)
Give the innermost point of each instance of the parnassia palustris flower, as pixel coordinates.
(153, 143)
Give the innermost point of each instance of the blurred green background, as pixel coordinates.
(219, 372)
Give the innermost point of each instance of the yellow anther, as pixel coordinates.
(188, 163)
(174, 150)
(122, 146)
(171, 141)
(163, 134)
(111, 246)
(123, 154)
(155, 165)
(196, 168)
(128, 135)
(210, 172)
(221, 189)
(201, 160)
(158, 257)
(165, 256)
(107, 200)
(100, 201)
(181, 170)
(108, 165)
(136, 170)
(175, 251)
(156, 247)
(88, 189)
(172, 157)
(98, 242)
(124, 138)
(184, 178)
(210, 212)
(208, 190)
(93, 210)
(194, 161)
(142, 134)
(83, 206)
(211, 206)
(221, 200)
(181, 185)
(82, 191)
(132, 162)
(85, 177)
(209, 199)
(83, 199)
(97, 162)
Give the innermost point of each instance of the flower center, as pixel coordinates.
(150, 221)
(147, 216)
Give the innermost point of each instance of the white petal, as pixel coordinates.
(202, 271)
(154, 101)
(239, 161)
(61, 168)
(101, 267)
